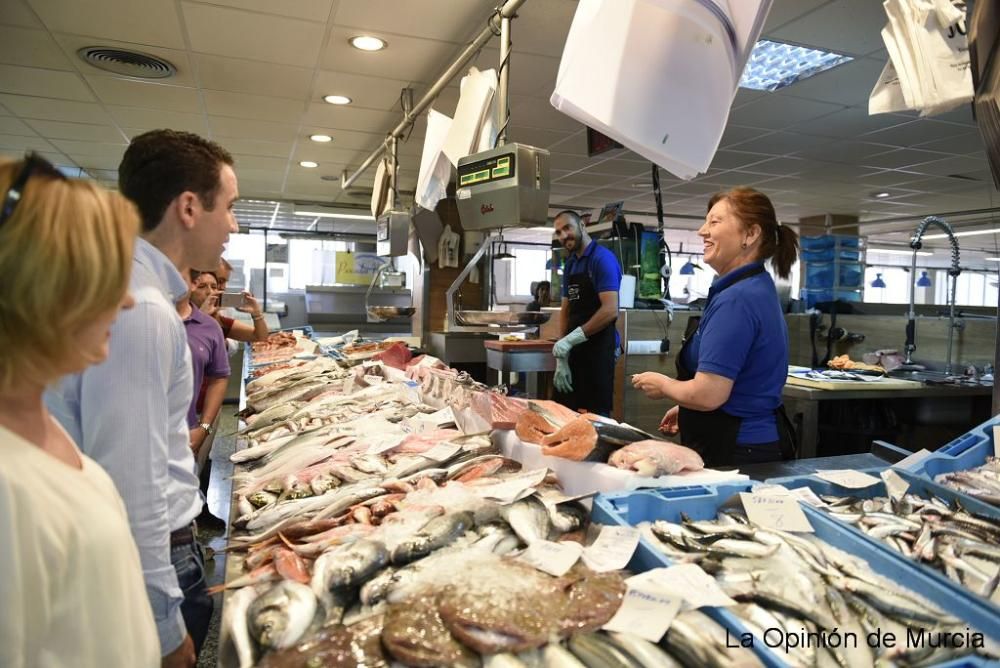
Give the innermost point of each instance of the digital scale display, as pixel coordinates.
(484, 171)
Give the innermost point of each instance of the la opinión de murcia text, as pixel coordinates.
(916, 638)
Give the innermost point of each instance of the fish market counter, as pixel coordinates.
(804, 404)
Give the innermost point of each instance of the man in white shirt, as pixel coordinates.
(130, 413)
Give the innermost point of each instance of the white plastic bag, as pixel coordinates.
(928, 70)
(659, 76)
(435, 169)
(478, 89)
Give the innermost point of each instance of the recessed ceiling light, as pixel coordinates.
(322, 139)
(337, 99)
(881, 195)
(308, 164)
(368, 43)
(774, 65)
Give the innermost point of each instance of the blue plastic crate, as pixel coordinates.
(821, 274)
(813, 297)
(702, 502)
(829, 241)
(969, 450)
(828, 255)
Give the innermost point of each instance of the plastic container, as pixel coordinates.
(829, 242)
(829, 254)
(813, 297)
(968, 451)
(703, 503)
(821, 274)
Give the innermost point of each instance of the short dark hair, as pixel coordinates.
(539, 286)
(159, 165)
(572, 215)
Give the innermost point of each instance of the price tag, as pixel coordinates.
(775, 512)
(513, 488)
(612, 550)
(688, 581)
(374, 380)
(442, 452)
(996, 440)
(848, 478)
(385, 443)
(894, 484)
(553, 558)
(647, 611)
(910, 463)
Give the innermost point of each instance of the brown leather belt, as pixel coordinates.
(183, 536)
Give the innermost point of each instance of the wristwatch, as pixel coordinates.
(207, 427)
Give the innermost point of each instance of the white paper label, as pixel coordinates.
(463, 193)
(775, 512)
(996, 440)
(612, 550)
(553, 558)
(442, 452)
(806, 494)
(688, 581)
(910, 463)
(378, 445)
(848, 478)
(513, 488)
(374, 380)
(894, 484)
(647, 611)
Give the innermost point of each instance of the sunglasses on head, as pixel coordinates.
(34, 165)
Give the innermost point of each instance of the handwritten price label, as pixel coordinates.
(776, 512)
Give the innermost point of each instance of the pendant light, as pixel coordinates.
(878, 282)
(924, 281)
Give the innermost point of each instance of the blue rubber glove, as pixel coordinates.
(564, 377)
(566, 343)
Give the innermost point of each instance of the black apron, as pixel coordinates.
(713, 434)
(592, 362)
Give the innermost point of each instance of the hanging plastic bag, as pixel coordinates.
(928, 69)
(478, 89)
(435, 169)
(658, 76)
(382, 199)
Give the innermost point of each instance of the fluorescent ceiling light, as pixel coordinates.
(882, 195)
(774, 65)
(322, 139)
(337, 99)
(309, 164)
(368, 43)
(333, 213)
(993, 259)
(974, 233)
(893, 251)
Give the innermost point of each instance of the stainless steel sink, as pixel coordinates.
(919, 376)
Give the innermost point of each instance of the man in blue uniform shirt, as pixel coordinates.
(585, 355)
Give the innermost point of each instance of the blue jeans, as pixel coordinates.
(197, 607)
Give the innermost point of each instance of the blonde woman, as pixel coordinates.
(72, 588)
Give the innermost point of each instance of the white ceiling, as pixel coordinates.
(252, 75)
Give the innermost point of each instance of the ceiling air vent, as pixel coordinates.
(127, 63)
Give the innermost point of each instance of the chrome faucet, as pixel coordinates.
(954, 271)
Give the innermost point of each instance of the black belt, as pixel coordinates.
(184, 536)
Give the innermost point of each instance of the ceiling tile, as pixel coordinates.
(151, 22)
(259, 107)
(953, 165)
(542, 25)
(573, 144)
(888, 178)
(350, 139)
(736, 159)
(244, 76)
(776, 112)
(328, 155)
(152, 119)
(535, 136)
(531, 74)
(734, 134)
(849, 84)
(55, 110)
(223, 31)
(80, 131)
(625, 169)
(146, 94)
(900, 158)
(90, 148)
(782, 166)
(782, 143)
(451, 20)
(255, 162)
(351, 118)
(12, 126)
(364, 91)
(847, 152)
(915, 132)
(310, 10)
(846, 26)
(97, 162)
(784, 11)
(17, 13)
(44, 83)
(407, 58)
(272, 149)
(239, 127)
(16, 145)
(848, 123)
(969, 142)
(34, 48)
(538, 113)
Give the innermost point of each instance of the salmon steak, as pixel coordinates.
(576, 440)
(532, 427)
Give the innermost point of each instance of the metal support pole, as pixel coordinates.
(394, 169)
(503, 91)
(506, 11)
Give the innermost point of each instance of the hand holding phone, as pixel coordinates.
(232, 299)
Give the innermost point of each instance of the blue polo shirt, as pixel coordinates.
(743, 337)
(601, 266)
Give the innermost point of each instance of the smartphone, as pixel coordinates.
(231, 299)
